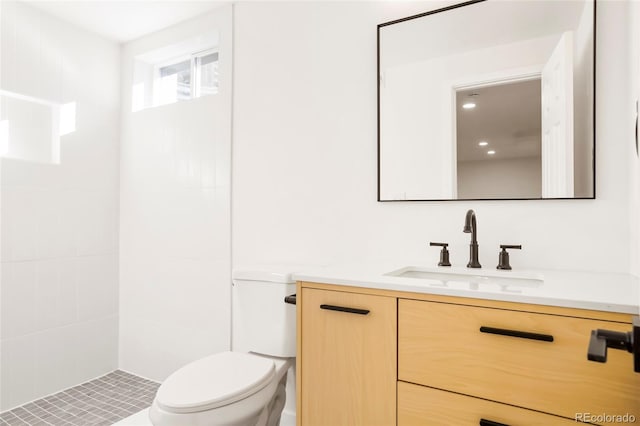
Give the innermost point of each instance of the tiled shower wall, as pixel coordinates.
(175, 216)
(59, 292)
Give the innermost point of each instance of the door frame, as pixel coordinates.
(496, 78)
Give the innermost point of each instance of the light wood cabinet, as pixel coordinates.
(347, 350)
(421, 405)
(442, 360)
(531, 360)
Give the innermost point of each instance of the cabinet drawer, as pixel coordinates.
(441, 345)
(420, 405)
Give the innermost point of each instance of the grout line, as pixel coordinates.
(108, 398)
(53, 414)
(38, 417)
(65, 257)
(94, 407)
(131, 392)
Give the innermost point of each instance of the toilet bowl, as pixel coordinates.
(238, 388)
(228, 388)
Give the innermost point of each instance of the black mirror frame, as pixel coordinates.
(455, 6)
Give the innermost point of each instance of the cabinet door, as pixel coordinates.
(348, 359)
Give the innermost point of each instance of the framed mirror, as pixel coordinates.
(488, 100)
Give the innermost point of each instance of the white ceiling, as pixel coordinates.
(508, 116)
(124, 20)
(477, 26)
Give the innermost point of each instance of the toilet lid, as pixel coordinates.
(214, 381)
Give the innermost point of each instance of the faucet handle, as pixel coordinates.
(444, 253)
(503, 256)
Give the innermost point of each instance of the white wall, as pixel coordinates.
(511, 177)
(59, 313)
(175, 216)
(304, 163)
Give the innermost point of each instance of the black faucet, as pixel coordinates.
(470, 226)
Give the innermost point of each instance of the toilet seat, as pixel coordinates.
(215, 381)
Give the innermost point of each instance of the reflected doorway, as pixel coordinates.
(498, 140)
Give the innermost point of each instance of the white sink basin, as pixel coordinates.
(473, 279)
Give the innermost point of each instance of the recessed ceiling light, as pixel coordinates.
(491, 152)
(483, 143)
(469, 105)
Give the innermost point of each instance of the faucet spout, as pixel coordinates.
(471, 227)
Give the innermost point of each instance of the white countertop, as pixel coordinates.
(612, 292)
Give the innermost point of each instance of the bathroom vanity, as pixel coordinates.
(382, 345)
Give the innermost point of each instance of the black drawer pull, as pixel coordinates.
(484, 422)
(344, 309)
(515, 333)
(291, 299)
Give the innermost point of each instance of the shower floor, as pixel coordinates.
(102, 401)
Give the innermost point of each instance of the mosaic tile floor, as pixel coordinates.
(102, 401)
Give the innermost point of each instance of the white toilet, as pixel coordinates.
(239, 388)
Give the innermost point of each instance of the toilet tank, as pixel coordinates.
(262, 321)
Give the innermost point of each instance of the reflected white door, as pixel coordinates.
(557, 121)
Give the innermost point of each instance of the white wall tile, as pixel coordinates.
(90, 166)
(67, 220)
(96, 286)
(19, 214)
(27, 40)
(47, 215)
(135, 354)
(47, 291)
(135, 287)
(56, 363)
(56, 358)
(187, 294)
(146, 349)
(174, 221)
(54, 232)
(17, 371)
(56, 295)
(18, 173)
(7, 43)
(96, 223)
(67, 298)
(18, 299)
(59, 223)
(96, 347)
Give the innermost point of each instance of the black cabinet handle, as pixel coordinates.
(345, 309)
(484, 422)
(291, 299)
(516, 333)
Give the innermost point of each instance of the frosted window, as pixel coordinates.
(207, 69)
(175, 82)
(176, 72)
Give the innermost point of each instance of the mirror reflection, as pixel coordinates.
(489, 100)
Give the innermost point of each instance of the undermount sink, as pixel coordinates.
(471, 279)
